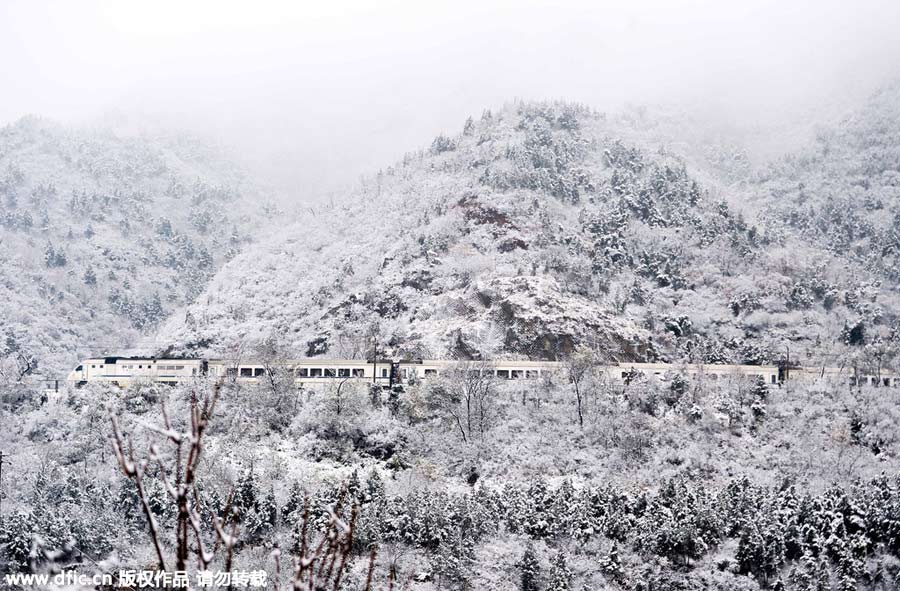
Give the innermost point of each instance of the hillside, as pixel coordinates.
(840, 198)
(534, 230)
(103, 235)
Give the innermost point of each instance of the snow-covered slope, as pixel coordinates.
(533, 230)
(102, 235)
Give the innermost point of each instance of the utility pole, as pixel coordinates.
(374, 359)
(2, 461)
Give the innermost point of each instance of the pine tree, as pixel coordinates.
(268, 509)
(54, 257)
(611, 564)
(294, 504)
(469, 126)
(760, 390)
(375, 491)
(393, 401)
(246, 493)
(375, 395)
(560, 575)
(90, 278)
(151, 312)
(531, 569)
(354, 487)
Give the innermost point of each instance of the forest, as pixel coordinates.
(450, 484)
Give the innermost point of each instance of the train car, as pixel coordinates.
(662, 371)
(123, 371)
(503, 370)
(306, 372)
(853, 376)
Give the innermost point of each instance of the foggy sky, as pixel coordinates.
(319, 93)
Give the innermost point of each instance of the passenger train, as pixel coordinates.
(123, 371)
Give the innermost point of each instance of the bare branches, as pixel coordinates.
(319, 566)
(183, 490)
(323, 566)
(467, 394)
(136, 472)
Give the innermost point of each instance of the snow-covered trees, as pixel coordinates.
(530, 568)
(560, 575)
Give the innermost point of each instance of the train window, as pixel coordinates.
(177, 367)
(886, 381)
(852, 381)
(531, 374)
(302, 372)
(503, 373)
(343, 372)
(230, 371)
(384, 373)
(358, 372)
(430, 372)
(93, 367)
(624, 374)
(246, 372)
(330, 372)
(474, 373)
(79, 368)
(516, 374)
(258, 371)
(773, 379)
(315, 372)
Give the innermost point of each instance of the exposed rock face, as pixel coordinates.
(534, 231)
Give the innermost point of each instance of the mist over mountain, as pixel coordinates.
(104, 233)
(538, 228)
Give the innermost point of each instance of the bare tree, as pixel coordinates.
(578, 368)
(466, 394)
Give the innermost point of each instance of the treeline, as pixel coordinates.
(785, 539)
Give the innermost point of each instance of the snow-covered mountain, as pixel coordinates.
(533, 230)
(103, 234)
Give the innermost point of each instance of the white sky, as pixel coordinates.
(324, 91)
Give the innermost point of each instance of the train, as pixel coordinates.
(124, 371)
